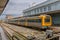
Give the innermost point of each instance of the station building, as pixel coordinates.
(50, 7)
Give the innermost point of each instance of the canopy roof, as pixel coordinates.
(3, 4)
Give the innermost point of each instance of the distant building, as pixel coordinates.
(9, 17)
(51, 7)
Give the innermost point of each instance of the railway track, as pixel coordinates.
(20, 33)
(35, 28)
(28, 34)
(12, 34)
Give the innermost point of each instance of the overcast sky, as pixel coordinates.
(15, 7)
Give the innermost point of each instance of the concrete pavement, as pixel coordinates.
(2, 34)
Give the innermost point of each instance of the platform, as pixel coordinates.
(2, 34)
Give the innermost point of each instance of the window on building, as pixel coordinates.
(26, 13)
(29, 13)
(45, 9)
(41, 10)
(32, 12)
(49, 8)
(37, 10)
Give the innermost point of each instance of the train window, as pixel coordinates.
(36, 20)
(30, 20)
(15, 20)
(22, 20)
(47, 20)
(39, 20)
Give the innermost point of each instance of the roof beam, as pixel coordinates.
(3, 4)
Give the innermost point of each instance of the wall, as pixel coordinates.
(46, 8)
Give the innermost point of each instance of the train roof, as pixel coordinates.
(34, 17)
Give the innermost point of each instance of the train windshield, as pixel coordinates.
(47, 19)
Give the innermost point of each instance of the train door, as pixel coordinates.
(26, 22)
(18, 22)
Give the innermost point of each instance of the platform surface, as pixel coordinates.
(2, 34)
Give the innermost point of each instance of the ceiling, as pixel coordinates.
(3, 4)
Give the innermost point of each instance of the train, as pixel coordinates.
(41, 21)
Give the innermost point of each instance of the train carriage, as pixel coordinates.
(42, 21)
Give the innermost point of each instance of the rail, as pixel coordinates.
(16, 34)
(20, 36)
